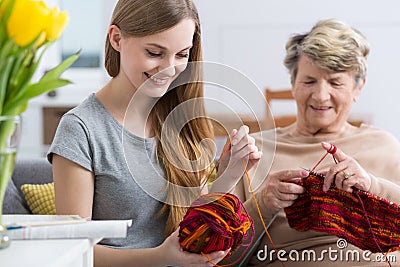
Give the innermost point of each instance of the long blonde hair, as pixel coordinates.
(146, 17)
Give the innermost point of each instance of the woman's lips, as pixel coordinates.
(157, 80)
(320, 108)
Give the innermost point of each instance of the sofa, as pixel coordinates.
(26, 171)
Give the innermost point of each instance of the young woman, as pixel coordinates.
(110, 156)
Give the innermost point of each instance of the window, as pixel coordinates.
(84, 31)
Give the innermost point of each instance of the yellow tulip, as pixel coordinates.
(27, 21)
(55, 24)
(28, 24)
(32, 19)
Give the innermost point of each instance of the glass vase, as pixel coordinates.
(10, 132)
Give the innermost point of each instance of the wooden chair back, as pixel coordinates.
(272, 120)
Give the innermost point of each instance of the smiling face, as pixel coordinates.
(323, 98)
(154, 60)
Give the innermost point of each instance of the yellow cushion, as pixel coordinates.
(40, 198)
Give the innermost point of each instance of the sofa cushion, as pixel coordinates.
(13, 202)
(26, 171)
(40, 198)
(32, 171)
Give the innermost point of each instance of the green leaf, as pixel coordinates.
(24, 91)
(18, 109)
(41, 87)
(5, 71)
(7, 7)
(26, 72)
(57, 71)
(6, 49)
(23, 75)
(32, 91)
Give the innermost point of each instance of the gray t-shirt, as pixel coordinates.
(124, 167)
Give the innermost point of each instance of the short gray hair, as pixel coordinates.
(332, 45)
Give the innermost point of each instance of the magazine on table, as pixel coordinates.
(20, 227)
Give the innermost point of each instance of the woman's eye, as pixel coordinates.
(308, 82)
(183, 55)
(152, 54)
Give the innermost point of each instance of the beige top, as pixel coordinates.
(377, 151)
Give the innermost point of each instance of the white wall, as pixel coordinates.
(84, 81)
(250, 36)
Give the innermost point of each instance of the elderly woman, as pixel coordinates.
(327, 67)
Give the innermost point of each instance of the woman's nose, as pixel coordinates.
(168, 67)
(321, 92)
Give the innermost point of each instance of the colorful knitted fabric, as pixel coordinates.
(214, 222)
(363, 219)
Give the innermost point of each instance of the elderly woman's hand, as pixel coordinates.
(346, 174)
(282, 189)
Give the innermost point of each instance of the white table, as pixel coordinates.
(56, 241)
(48, 253)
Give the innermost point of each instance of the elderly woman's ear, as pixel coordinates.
(358, 89)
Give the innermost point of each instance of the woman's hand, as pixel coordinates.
(173, 254)
(346, 174)
(242, 147)
(282, 189)
(240, 152)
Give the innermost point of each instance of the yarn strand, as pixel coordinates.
(259, 211)
(370, 229)
(224, 150)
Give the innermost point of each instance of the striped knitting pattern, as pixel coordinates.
(363, 219)
(214, 222)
